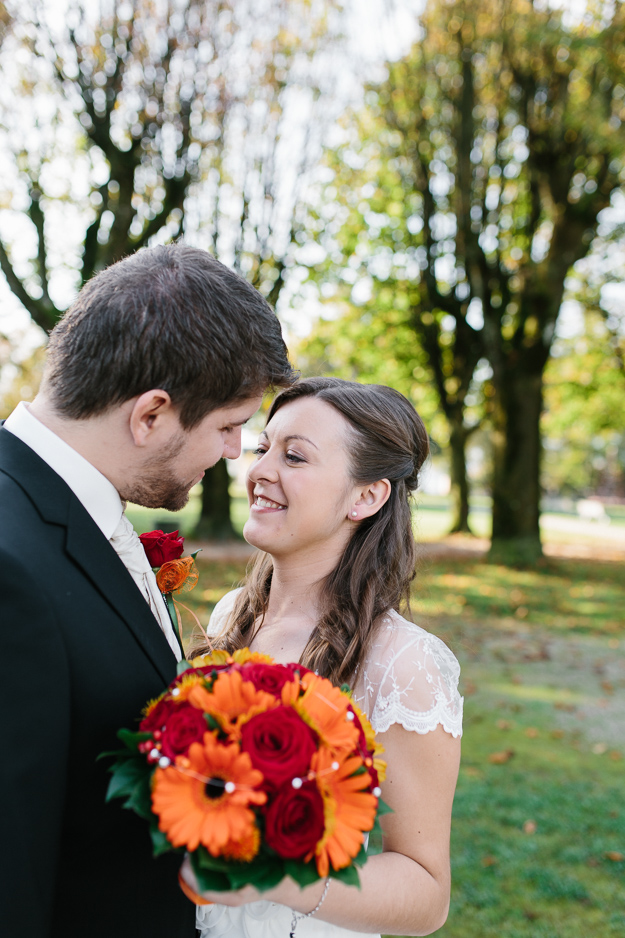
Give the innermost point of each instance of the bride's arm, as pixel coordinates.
(404, 890)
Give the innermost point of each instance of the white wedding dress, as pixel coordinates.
(409, 677)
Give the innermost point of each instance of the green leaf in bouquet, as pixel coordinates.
(348, 875)
(182, 667)
(132, 739)
(126, 775)
(383, 808)
(211, 722)
(195, 553)
(304, 874)
(263, 875)
(140, 800)
(160, 844)
(208, 862)
(117, 753)
(209, 879)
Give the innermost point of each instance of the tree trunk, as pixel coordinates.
(516, 471)
(459, 481)
(214, 523)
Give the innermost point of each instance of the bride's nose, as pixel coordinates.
(263, 470)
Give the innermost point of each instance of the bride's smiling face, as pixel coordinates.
(299, 488)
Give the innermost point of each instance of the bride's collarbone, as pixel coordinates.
(284, 641)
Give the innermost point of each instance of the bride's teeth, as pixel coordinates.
(266, 503)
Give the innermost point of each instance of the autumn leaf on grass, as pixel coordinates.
(500, 758)
(614, 855)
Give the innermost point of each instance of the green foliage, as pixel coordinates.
(160, 844)
(131, 739)
(464, 192)
(582, 423)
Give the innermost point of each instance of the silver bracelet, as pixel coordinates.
(296, 918)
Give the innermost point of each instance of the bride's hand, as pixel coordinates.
(286, 892)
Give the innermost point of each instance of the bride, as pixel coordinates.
(329, 498)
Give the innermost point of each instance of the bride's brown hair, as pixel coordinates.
(387, 441)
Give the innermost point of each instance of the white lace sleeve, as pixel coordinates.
(221, 612)
(410, 677)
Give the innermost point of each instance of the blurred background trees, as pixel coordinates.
(137, 122)
(465, 191)
(435, 241)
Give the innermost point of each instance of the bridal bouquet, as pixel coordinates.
(259, 770)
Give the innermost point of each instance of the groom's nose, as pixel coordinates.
(232, 444)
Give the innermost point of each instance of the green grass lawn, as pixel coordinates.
(538, 839)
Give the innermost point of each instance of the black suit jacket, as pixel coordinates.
(80, 654)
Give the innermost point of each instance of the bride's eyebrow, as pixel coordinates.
(291, 436)
(297, 436)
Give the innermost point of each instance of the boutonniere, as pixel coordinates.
(175, 574)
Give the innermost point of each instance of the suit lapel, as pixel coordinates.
(87, 547)
(90, 551)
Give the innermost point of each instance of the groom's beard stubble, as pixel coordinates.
(159, 487)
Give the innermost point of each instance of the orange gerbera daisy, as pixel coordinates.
(348, 809)
(232, 701)
(195, 807)
(325, 708)
(244, 849)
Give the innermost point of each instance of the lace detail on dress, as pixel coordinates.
(410, 677)
(220, 613)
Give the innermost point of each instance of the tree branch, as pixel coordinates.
(43, 312)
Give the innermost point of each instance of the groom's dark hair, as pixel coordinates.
(170, 317)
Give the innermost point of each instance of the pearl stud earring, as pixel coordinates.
(354, 514)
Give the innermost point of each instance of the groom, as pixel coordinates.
(149, 378)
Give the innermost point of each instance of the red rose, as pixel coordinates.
(157, 717)
(280, 744)
(268, 677)
(364, 752)
(185, 726)
(294, 821)
(161, 547)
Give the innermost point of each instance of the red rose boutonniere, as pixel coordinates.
(161, 547)
(174, 573)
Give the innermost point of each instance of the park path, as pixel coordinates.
(455, 546)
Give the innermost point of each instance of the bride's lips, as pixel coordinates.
(263, 505)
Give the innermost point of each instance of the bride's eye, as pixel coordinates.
(291, 457)
(259, 451)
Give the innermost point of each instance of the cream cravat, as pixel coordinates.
(126, 542)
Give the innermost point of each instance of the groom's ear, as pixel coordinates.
(152, 418)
